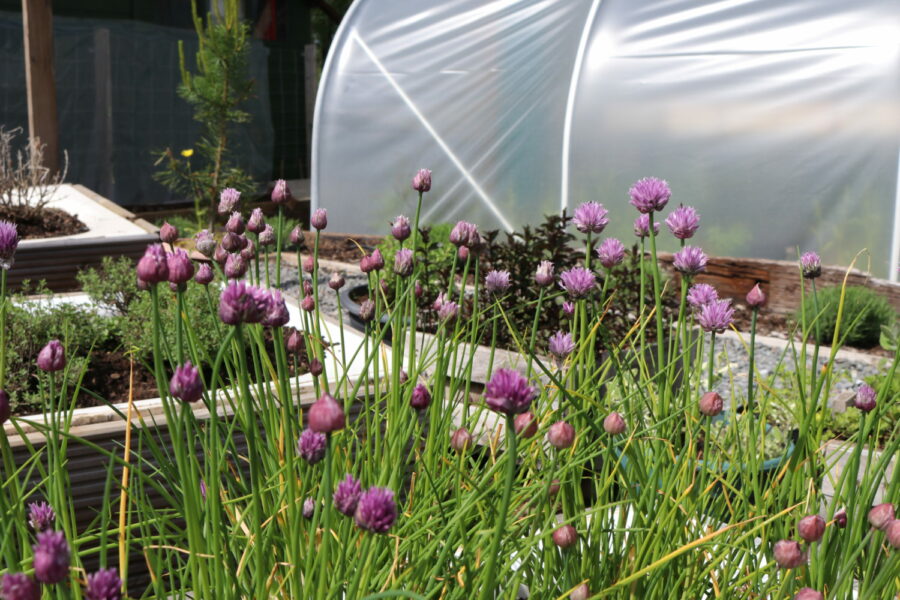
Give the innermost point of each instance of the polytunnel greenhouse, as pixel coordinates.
(779, 121)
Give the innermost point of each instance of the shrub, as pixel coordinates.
(33, 323)
(114, 286)
(864, 314)
(846, 424)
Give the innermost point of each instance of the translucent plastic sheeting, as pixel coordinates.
(779, 120)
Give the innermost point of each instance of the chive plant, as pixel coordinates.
(581, 475)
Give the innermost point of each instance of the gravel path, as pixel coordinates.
(732, 361)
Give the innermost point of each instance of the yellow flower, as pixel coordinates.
(187, 153)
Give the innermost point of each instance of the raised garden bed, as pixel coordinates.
(111, 231)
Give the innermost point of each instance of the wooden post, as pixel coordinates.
(310, 89)
(43, 126)
(103, 125)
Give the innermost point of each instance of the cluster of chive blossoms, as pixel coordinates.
(51, 560)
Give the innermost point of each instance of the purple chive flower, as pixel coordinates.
(508, 392)
(366, 310)
(448, 311)
(249, 250)
(232, 242)
(716, 316)
(19, 586)
(51, 557)
(892, 533)
(204, 274)
(281, 192)
(52, 357)
(293, 340)
(9, 241)
(756, 297)
(308, 303)
(311, 446)
(400, 228)
(153, 266)
(543, 276)
(326, 415)
(205, 243)
(168, 233)
(565, 536)
(316, 367)
(220, 255)
(403, 262)
(582, 592)
(463, 254)
(181, 269)
(242, 303)
(372, 262)
(420, 398)
(336, 281)
(104, 585)
(561, 345)
(701, 294)
(186, 384)
(614, 424)
(496, 282)
(461, 440)
(376, 510)
(577, 281)
(309, 264)
(40, 516)
(840, 519)
(229, 199)
(5, 409)
(235, 266)
(525, 424)
(789, 554)
(649, 194)
(439, 301)
(296, 236)
(811, 265)
(690, 260)
(683, 222)
(811, 528)
(568, 308)
(346, 495)
(257, 221)
(865, 398)
(235, 223)
(319, 219)
(590, 217)
(267, 236)
(276, 313)
(309, 508)
(808, 594)
(710, 404)
(611, 252)
(642, 226)
(880, 516)
(421, 182)
(465, 234)
(561, 435)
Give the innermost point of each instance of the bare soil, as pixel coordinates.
(343, 247)
(44, 223)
